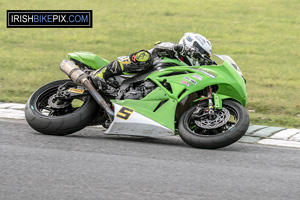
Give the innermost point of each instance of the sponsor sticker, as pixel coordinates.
(126, 60)
(208, 72)
(189, 38)
(185, 83)
(78, 91)
(198, 77)
(191, 80)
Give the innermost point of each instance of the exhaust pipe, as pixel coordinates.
(79, 77)
(73, 72)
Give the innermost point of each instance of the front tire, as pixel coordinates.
(220, 137)
(58, 121)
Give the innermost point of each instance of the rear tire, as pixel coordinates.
(215, 138)
(67, 120)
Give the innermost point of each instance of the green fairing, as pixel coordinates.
(164, 115)
(160, 105)
(230, 86)
(89, 59)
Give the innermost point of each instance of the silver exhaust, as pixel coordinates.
(73, 72)
(79, 77)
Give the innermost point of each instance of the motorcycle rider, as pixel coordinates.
(193, 49)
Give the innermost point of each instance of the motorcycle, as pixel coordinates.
(205, 104)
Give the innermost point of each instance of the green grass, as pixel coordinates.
(263, 37)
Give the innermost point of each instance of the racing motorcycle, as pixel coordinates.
(205, 104)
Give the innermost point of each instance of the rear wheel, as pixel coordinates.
(49, 115)
(227, 126)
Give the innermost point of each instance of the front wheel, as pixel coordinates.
(227, 126)
(50, 116)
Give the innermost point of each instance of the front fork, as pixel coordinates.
(214, 102)
(211, 111)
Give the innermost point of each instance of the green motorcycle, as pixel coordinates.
(203, 104)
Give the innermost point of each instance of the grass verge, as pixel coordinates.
(263, 37)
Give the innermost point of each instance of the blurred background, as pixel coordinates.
(263, 37)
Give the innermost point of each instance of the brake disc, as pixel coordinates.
(220, 118)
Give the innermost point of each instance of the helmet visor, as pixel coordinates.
(201, 50)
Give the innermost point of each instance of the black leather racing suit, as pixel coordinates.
(142, 60)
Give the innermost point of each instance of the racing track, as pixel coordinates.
(90, 165)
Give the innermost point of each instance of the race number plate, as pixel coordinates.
(124, 113)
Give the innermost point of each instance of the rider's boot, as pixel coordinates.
(100, 76)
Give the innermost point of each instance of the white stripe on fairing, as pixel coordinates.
(137, 124)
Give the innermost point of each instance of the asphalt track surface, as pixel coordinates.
(91, 165)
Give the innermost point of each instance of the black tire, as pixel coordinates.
(215, 138)
(67, 122)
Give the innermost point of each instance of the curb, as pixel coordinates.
(276, 136)
(256, 134)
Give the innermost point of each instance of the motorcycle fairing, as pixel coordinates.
(160, 104)
(129, 122)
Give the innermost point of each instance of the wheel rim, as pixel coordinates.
(228, 126)
(43, 107)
